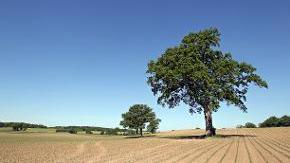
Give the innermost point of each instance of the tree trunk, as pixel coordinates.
(141, 133)
(210, 130)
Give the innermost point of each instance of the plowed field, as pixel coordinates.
(231, 145)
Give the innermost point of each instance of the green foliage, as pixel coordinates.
(270, 122)
(137, 117)
(198, 74)
(2, 124)
(19, 126)
(250, 125)
(89, 132)
(273, 121)
(284, 121)
(23, 125)
(85, 128)
(61, 130)
(240, 126)
(153, 125)
(71, 131)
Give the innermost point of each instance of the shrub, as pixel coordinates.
(2, 124)
(60, 130)
(89, 132)
(250, 125)
(71, 131)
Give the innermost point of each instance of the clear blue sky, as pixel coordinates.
(84, 62)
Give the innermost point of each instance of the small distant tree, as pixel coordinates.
(137, 117)
(198, 74)
(153, 125)
(72, 131)
(89, 132)
(69, 130)
(239, 126)
(250, 125)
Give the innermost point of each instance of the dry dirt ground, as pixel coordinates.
(231, 145)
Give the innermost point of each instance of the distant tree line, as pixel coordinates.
(90, 129)
(272, 121)
(82, 128)
(21, 126)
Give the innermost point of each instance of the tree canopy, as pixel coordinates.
(22, 125)
(137, 117)
(250, 125)
(284, 121)
(197, 73)
(273, 121)
(153, 125)
(2, 124)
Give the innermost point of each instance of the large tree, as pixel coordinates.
(197, 73)
(137, 117)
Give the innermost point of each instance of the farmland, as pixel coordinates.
(230, 145)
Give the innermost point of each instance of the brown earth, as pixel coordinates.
(230, 145)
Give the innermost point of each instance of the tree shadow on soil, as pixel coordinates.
(204, 136)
